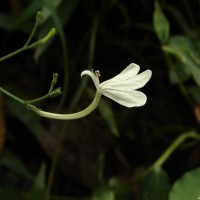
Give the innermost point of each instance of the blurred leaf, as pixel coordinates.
(187, 44)
(155, 185)
(107, 114)
(9, 193)
(104, 193)
(29, 12)
(179, 20)
(187, 187)
(122, 188)
(195, 93)
(187, 52)
(100, 164)
(179, 73)
(114, 189)
(161, 24)
(60, 16)
(29, 118)
(46, 13)
(10, 161)
(7, 22)
(38, 189)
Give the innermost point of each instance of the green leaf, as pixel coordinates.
(187, 53)
(100, 165)
(55, 14)
(7, 22)
(9, 193)
(9, 160)
(28, 117)
(104, 193)
(187, 187)
(195, 93)
(122, 188)
(179, 73)
(155, 186)
(46, 13)
(161, 24)
(189, 45)
(30, 11)
(37, 191)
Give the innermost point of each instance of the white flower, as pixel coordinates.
(123, 87)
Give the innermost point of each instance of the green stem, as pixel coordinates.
(168, 152)
(25, 47)
(38, 99)
(14, 53)
(92, 44)
(189, 13)
(83, 113)
(77, 115)
(12, 96)
(74, 102)
(54, 162)
(41, 113)
(93, 40)
(181, 22)
(38, 16)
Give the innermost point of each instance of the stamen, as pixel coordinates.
(97, 73)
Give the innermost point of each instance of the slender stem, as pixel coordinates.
(93, 39)
(77, 115)
(14, 53)
(38, 16)
(55, 161)
(189, 12)
(38, 99)
(83, 113)
(168, 152)
(41, 113)
(91, 56)
(61, 33)
(181, 22)
(12, 96)
(75, 100)
(25, 47)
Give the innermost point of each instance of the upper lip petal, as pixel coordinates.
(123, 87)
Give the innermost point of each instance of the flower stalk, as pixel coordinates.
(72, 116)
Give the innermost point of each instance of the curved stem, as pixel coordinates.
(77, 115)
(42, 113)
(168, 152)
(174, 146)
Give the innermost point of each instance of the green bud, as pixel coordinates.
(38, 16)
(56, 92)
(55, 78)
(44, 39)
(48, 36)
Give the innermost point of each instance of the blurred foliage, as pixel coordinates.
(106, 155)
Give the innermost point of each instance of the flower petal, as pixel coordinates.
(132, 83)
(93, 77)
(128, 99)
(129, 72)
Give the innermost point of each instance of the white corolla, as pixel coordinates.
(123, 88)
